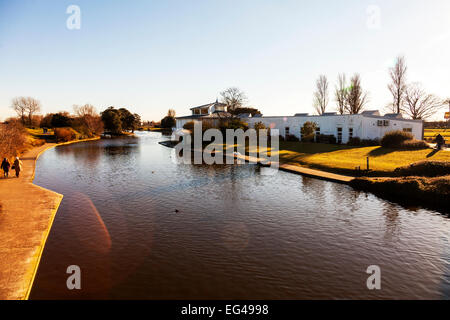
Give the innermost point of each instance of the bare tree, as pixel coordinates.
(321, 95)
(19, 106)
(340, 93)
(84, 110)
(89, 118)
(419, 105)
(233, 98)
(356, 98)
(398, 85)
(32, 106)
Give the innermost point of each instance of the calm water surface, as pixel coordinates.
(141, 226)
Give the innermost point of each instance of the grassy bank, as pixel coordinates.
(433, 192)
(344, 159)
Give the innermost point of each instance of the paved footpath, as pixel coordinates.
(26, 216)
(318, 174)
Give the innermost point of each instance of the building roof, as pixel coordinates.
(394, 115)
(371, 113)
(214, 115)
(210, 105)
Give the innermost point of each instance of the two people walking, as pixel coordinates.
(6, 165)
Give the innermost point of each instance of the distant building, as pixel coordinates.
(366, 125)
(211, 112)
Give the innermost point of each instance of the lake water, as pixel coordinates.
(141, 226)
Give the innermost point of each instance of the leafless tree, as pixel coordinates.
(84, 110)
(398, 85)
(89, 118)
(233, 98)
(19, 106)
(340, 93)
(26, 105)
(321, 95)
(419, 104)
(356, 98)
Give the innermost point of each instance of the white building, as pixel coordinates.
(367, 125)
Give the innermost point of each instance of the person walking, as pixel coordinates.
(440, 141)
(5, 167)
(17, 166)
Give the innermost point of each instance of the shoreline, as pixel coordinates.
(429, 199)
(27, 213)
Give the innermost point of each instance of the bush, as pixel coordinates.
(37, 142)
(12, 139)
(355, 141)
(259, 126)
(370, 142)
(425, 169)
(414, 145)
(326, 138)
(395, 139)
(233, 124)
(291, 138)
(308, 131)
(65, 134)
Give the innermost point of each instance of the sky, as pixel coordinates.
(149, 56)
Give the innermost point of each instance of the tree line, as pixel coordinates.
(84, 119)
(409, 99)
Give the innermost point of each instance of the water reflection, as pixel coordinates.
(143, 227)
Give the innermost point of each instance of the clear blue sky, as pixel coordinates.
(149, 56)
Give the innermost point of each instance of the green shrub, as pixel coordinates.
(234, 124)
(326, 138)
(355, 141)
(395, 139)
(308, 131)
(291, 138)
(425, 169)
(370, 142)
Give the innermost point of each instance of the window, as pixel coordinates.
(380, 123)
(407, 129)
(339, 135)
(317, 134)
(386, 123)
(286, 131)
(350, 133)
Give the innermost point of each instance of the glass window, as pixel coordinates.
(286, 131)
(339, 135)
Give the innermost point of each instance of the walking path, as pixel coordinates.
(26, 216)
(318, 174)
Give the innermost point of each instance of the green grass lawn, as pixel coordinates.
(344, 159)
(37, 137)
(432, 133)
